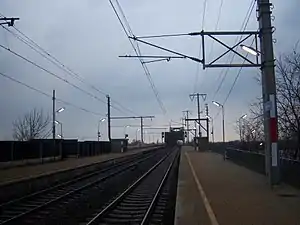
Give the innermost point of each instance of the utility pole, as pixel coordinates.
(198, 106)
(135, 117)
(108, 118)
(187, 112)
(198, 109)
(269, 91)
(53, 115)
(207, 123)
(142, 130)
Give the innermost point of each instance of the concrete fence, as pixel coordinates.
(47, 148)
(43, 150)
(255, 160)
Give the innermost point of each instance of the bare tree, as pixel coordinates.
(251, 128)
(288, 100)
(31, 126)
(288, 97)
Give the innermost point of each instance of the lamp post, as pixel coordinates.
(223, 123)
(54, 120)
(240, 125)
(125, 129)
(61, 129)
(212, 127)
(136, 134)
(223, 118)
(98, 133)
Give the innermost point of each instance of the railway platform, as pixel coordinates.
(212, 191)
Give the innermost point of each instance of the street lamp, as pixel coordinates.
(212, 127)
(57, 122)
(61, 129)
(60, 109)
(125, 129)
(240, 125)
(102, 120)
(250, 50)
(136, 133)
(223, 122)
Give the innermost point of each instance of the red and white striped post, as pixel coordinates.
(269, 92)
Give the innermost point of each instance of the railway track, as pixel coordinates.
(146, 200)
(38, 206)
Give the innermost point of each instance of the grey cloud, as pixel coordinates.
(86, 36)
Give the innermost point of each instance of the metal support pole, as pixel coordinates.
(223, 129)
(61, 131)
(188, 128)
(240, 128)
(223, 123)
(269, 92)
(98, 133)
(207, 122)
(207, 129)
(212, 130)
(142, 131)
(187, 124)
(108, 118)
(53, 115)
(198, 106)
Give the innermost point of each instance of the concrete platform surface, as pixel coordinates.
(216, 192)
(16, 173)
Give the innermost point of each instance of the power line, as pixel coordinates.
(236, 78)
(217, 25)
(203, 14)
(199, 53)
(37, 48)
(56, 76)
(136, 49)
(48, 95)
(233, 84)
(211, 49)
(243, 28)
(51, 73)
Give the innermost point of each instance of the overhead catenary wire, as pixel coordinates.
(51, 73)
(224, 72)
(199, 53)
(241, 68)
(56, 76)
(212, 45)
(217, 25)
(236, 78)
(41, 51)
(135, 46)
(33, 45)
(48, 95)
(138, 53)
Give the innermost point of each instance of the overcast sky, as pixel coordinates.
(86, 36)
